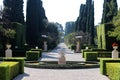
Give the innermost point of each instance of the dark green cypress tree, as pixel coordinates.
(110, 10)
(13, 11)
(85, 21)
(34, 22)
(17, 11)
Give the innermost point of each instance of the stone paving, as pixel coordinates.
(61, 74)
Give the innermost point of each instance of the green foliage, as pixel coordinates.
(70, 39)
(113, 71)
(69, 27)
(21, 63)
(73, 47)
(91, 56)
(85, 21)
(103, 62)
(20, 34)
(110, 9)
(13, 10)
(4, 72)
(105, 41)
(53, 35)
(10, 33)
(115, 32)
(35, 17)
(85, 50)
(40, 51)
(11, 70)
(32, 55)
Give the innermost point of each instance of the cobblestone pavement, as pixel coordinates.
(61, 74)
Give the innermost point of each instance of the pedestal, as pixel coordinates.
(61, 59)
(45, 46)
(8, 53)
(78, 47)
(115, 53)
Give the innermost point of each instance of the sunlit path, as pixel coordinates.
(54, 54)
(61, 74)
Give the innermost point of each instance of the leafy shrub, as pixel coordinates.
(73, 47)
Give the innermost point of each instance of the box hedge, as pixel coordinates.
(9, 70)
(85, 50)
(32, 55)
(40, 51)
(91, 56)
(103, 62)
(21, 63)
(113, 71)
(4, 72)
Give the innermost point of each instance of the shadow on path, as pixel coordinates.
(21, 76)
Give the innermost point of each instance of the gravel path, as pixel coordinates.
(61, 74)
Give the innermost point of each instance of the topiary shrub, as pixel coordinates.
(103, 62)
(4, 72)
(40, 51)
(9, 70)
(21, 63)
(32, 55)
(113, 71)
(85, 50)
(91, 56)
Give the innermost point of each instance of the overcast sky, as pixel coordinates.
(68, 10)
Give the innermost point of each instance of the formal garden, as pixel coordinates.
(23, 42)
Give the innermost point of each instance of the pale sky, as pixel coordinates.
(68, 10)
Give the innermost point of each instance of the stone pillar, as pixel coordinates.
(45, 46)
(61, 59)
(78, 46)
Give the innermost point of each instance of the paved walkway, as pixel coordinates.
(61, 74)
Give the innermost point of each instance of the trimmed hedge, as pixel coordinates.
(103, 62)
(91, 56)
(104, 41)
(9, 70)
(113, 71)
(32, 55)
(21, 63)
(104, 54)
(40, 51)
(85, 50)
(4, 72)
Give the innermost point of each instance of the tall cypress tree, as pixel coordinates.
(17, 11)
(85, 21)
(110, 10)
(13, 11)
(34, 21)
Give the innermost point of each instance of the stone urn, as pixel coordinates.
(115, 53)
(8, 46)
